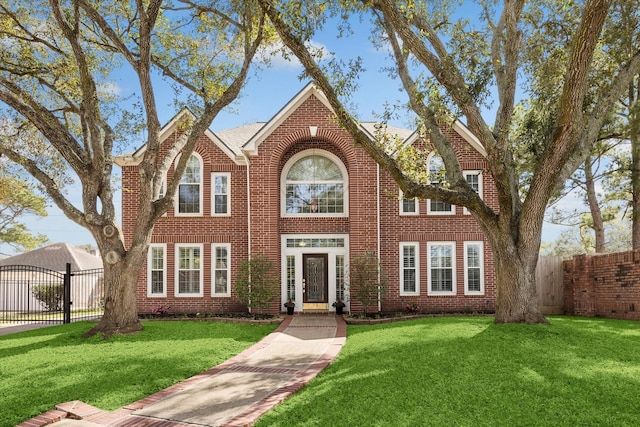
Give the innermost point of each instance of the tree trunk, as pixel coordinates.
(634, 138)
(120, 304)
(594, 207)
(516, 299)
(122, 269)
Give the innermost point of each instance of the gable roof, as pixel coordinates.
(172, 126)
(244, 140)
(251, 146)
(55, 257)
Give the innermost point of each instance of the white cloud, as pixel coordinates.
(109, 88)
(279, 56)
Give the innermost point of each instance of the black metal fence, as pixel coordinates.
(31, 294)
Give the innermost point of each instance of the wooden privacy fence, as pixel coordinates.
(549, 284)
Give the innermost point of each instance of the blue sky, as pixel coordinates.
(262, 97)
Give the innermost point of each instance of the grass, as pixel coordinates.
(44, 367)
(471, 372)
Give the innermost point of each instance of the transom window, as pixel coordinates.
(314, 183)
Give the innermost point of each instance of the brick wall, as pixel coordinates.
(606, 285)
(432, 227)
(366, 231)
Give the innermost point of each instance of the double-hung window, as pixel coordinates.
(442, 268)
(473, 268)
(408, 206)
(220, 199)
(157, 270)
(409, 268)
(474, 179)
(221, 253)
(188, 269)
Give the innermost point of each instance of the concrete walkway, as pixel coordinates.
(234, 393)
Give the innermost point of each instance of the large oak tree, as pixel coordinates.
(447, 68)
(57, 67)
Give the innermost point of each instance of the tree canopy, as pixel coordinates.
(59, 70)
(449, 68)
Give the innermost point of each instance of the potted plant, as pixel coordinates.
(339, 305)
(290, 304)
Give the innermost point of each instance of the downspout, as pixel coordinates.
(378, 227)
(246, 159)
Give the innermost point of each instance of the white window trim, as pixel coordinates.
(416, 246)
(466, 268)
(480, 185)
(453, 269)
(283, 185)
(177, 269)
(150, 294)
(213, 193)
(201, 192)
(215, 246)
(452, 208)
(401, 206)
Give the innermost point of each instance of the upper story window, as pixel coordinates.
(474, 179)
(409, 206)
(220, 200)
(314, 183)
(190, 188)
(436, 176)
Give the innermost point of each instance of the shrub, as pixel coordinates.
(367, 281)
(257, 282)
(51, 295)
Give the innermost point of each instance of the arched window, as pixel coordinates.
(314, 184)
(437, 177)
(190, 188)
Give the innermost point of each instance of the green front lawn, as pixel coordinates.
(449, 371)
(469, 372)
(44, 367)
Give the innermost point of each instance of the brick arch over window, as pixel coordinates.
(337, 143)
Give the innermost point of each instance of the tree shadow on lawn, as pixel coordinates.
(469, 371)
(54, 365)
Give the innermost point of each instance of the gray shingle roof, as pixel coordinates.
(55, 257)
(236, 137)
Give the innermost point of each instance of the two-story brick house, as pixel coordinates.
(297, 190)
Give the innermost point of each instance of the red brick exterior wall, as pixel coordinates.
(366, 231)
(434, 227)
(606, 285)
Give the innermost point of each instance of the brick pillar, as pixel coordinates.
(584, 295)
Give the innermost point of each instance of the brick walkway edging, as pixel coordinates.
(124, 417)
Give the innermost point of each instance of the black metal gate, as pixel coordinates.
(31, 294)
